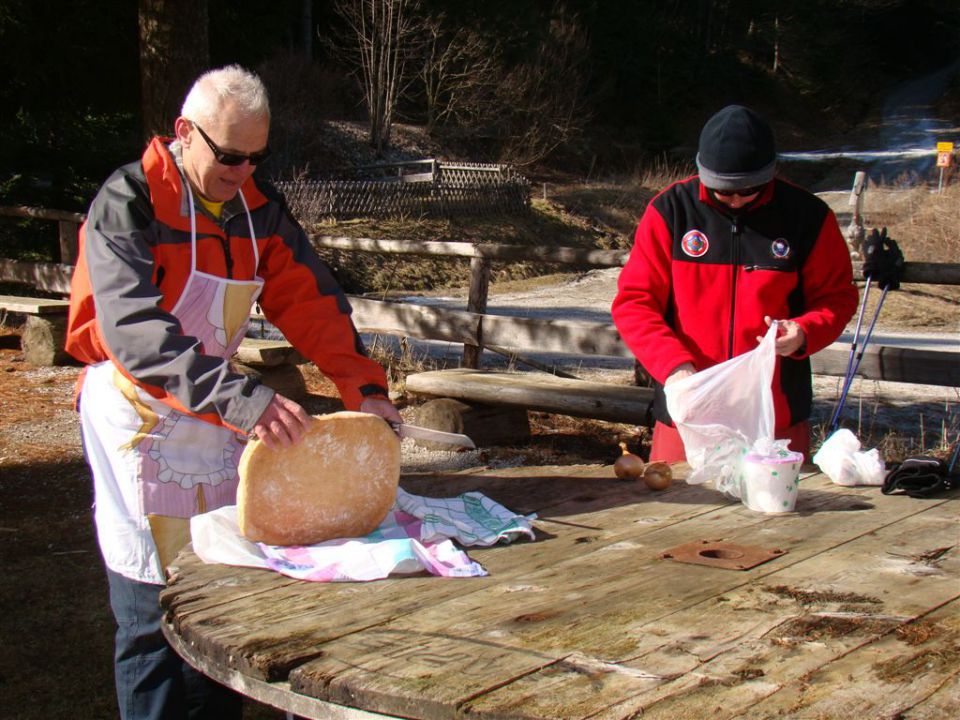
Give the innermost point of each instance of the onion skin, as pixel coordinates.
(658, 476)
(628, 466)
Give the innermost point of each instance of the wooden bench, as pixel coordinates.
(536, 391)
(44, 330)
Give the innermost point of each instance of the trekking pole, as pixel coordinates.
(885, 261)
(847, 376)
(953, 458)
(866, 338)
(851, 373)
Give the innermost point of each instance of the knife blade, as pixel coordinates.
(421, 433)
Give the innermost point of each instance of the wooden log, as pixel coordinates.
(267, 353)
(893, 364)
(484, 424)
(547, 393)
(42, 341)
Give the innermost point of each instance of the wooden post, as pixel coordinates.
(69, 232)
(477, 303)
(855, 230)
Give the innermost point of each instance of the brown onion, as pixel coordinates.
(658, 476)
(628, 466)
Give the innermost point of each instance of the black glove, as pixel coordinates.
(882, 260)
(919, 476)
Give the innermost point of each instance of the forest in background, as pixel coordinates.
(557, 86)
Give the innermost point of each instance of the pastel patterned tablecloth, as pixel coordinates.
(418, 534)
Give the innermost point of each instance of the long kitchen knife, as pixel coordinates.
(422, 433)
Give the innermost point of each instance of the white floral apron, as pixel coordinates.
(153, 466)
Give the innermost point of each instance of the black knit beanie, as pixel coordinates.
(736, 150)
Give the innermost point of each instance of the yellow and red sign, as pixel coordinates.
(944, 154)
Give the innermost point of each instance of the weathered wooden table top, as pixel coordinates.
(856, 617)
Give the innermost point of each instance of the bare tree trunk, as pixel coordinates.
(174, 50)
(384, 32)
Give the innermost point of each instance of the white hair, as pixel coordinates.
(231, 83)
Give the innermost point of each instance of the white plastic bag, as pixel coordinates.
(842, 461)
(722, 411)
(217, 538)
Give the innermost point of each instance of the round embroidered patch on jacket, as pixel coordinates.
(695, 244)
(780, 249)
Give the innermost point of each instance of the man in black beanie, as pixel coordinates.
(716, 258)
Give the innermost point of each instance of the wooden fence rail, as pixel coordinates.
(68, 225)
(475, 329)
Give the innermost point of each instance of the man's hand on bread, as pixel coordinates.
(284, 421)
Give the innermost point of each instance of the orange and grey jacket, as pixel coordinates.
(134, 262)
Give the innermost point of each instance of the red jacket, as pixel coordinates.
(700, 279)
(134, 262)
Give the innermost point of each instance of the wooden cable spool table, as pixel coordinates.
(852, 611)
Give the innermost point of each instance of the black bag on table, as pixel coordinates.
(920, 476)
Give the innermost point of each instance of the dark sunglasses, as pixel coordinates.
(744, 192)
(232, 159)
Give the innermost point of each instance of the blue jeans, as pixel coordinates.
(153, 682)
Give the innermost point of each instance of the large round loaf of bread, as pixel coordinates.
(339, 481)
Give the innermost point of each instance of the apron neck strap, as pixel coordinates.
(193, 229)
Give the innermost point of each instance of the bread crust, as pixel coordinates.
(339, 481)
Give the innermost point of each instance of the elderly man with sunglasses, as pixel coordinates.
(176, 249)
(716, 258)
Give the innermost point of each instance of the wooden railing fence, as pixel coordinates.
(476, 329)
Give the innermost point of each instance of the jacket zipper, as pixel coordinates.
(227, 255)
(736, 231)
(751, 268)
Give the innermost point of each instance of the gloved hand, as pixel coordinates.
(882, 260)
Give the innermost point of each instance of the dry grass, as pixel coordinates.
(923, 222)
